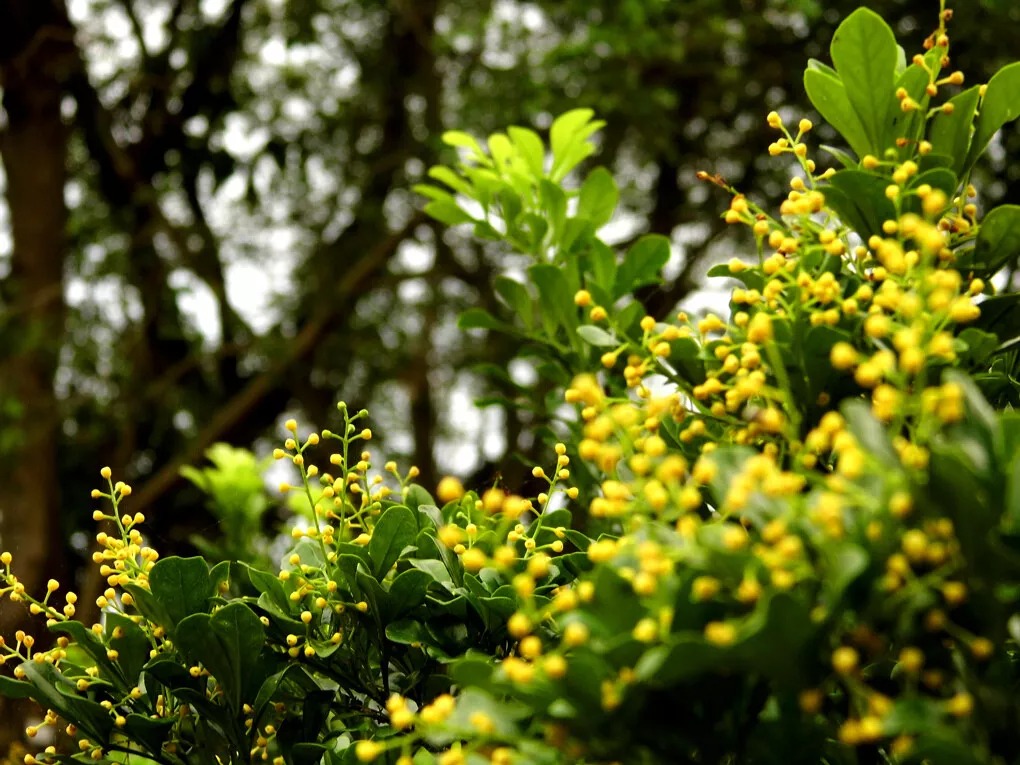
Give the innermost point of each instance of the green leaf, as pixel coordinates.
(462, 140)
(597, 336)
(869, 432)
(417, 496)
(603, 265)
(53, 691)
(864, 54)
(148, 732)
(132, 645)
(14, 689)
(530, 148)
(406, 592)
(568, 139)
(447, 211)
(445, 175)
(555, 294)
(859, 199)
(228, 644)
(182, 586)
(997, 244)
(479, 318)
(1011, 515)
(642, 264)
(598, 197)
(90, 643)
(1000, 315)
(516, 297)
(828, 96)
(396, 528)
(554, 203)
(1001, 104)
(950, 134)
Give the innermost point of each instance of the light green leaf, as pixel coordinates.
(448, 211)
(530, 148)
(597, 336)
(445, 175)
(569, 140)
(598, 197)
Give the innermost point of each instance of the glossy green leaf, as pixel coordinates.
(1001, 104)
(182, 586)
(950, 134)
(602, 262)
(864, 54)
(15, 689)
(228, 644)
(148, 732)
(828, 95)
(53, 691)
(396, 529)
(130, 642)
(445, 175)
(859, 198)
(997, 244)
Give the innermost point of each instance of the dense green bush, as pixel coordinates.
(802, 534)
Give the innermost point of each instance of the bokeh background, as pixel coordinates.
(207, 223)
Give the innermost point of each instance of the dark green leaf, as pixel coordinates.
(396, 528)
(859, 198)
(53, 691)
(479, 318)
(642, 264)
(1001, 104)
(228, 644)
(951, 133)
(997, 245)
(182, 586)
(132, 645)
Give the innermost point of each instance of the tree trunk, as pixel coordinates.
(36, 52)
